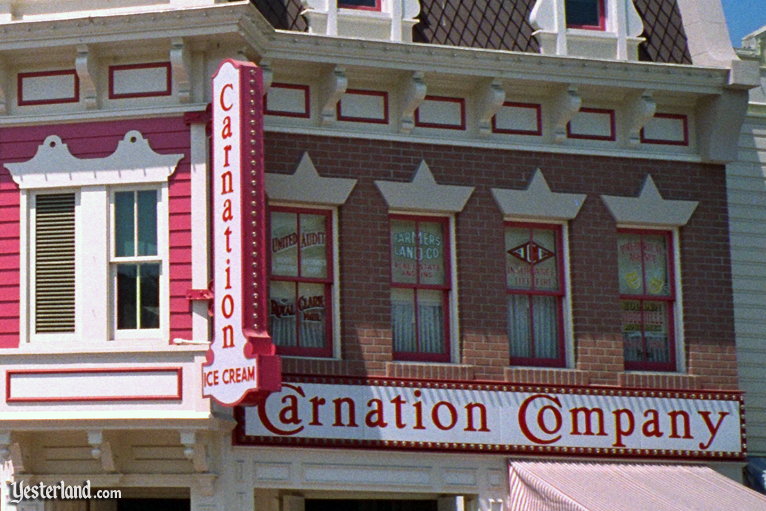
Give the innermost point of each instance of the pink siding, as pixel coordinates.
(95, 140)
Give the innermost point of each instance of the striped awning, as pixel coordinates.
(563, 486)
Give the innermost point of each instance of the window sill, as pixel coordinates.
(659, 380)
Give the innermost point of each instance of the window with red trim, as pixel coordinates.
(535, 294)
(371, 5)
(420, 285)
(300, 249)
(647, 299)
(587, 14)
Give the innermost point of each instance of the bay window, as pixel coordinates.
(300, 248)
(647, 298)
(420, 285)
(535, 292)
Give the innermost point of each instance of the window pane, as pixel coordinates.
(357, 3)
(430, 320)
(656, 332)
(150, 295)
(546, 326)
(284, 244)
(545, 260)
(124, 224)
(404, 262)
(629, 264)
(431, 247)
(583, 13)
(656, 265)
(519, 327)
(147, 222)
(518, 270)
(282, 319)
(313, 246)
(403, 319)
(311, 304)
(127, 296)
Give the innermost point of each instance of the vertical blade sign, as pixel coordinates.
(241, 364)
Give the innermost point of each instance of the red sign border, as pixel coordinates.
(239, 438)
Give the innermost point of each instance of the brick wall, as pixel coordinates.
(366, 335)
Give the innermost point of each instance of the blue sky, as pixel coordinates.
(743, 17)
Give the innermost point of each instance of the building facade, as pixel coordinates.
(497, 244)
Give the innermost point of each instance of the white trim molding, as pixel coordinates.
(423, 193)
(649, 208)
(306, 186)
(133, 162)
(538, 201)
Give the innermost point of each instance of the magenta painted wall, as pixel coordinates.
(97, 140)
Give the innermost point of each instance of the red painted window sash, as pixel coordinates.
(535, 361)
(445, 287)
(601, 19)
(298, 350)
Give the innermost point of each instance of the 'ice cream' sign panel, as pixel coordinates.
(241, 365)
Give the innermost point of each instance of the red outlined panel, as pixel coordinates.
(368, 106)
(288, 100)
(48, 87)
(593, 124)
(441, 112)
(140, 80)
(666, 129)
(496, 418)
(518, 119)
(73, 384)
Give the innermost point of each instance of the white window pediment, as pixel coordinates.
(305, 185)
(423, 193)
(649, 208)
(538, 201)
(133, 162)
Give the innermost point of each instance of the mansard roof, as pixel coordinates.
(504, 25)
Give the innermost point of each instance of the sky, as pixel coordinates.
(743, 17)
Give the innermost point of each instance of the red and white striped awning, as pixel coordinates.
(562, 486)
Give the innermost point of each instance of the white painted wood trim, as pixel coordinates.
(200, 202)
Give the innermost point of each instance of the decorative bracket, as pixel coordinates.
(335, 85)
(85, 66)
(180, 65)
(491, 99)
(101, 450)
(566, 105)
(414, 94)
(268, 75)
(194, 451)
(640, 111)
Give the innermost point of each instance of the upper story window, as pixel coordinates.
(535, 292)
(587, 14)
(300, 290)
(420, 286)
(647, 298)
(136, 263)
(370, 5)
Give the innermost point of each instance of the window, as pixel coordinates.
(420, 285)
(535, 293)
(647, 298)
(371, 5)
(587, 14)
(300, 319)
(136, 265)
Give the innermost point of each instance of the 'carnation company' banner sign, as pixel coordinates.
(503, 418)
(241, 365)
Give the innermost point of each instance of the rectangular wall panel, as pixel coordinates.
(592, 124)
(364, 106)
(288, 100)
(140, 80)
(441, 112)
(48, 87)
(518, 119)
(668, 129)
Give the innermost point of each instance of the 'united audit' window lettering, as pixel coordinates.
(420, 284)
(535, 292)
(647, 298)
(301, 278)
(588, 14)
(135, 261)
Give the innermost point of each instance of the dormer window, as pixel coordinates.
(369, 5)
(587, 14)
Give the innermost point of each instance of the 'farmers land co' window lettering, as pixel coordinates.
(301, 278)
(420, 284)
(535, 289)
(647, 299)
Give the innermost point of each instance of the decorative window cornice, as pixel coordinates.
(305, 185)
(423, 193)
(538, 201)
(649, 208)
(134, 161)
